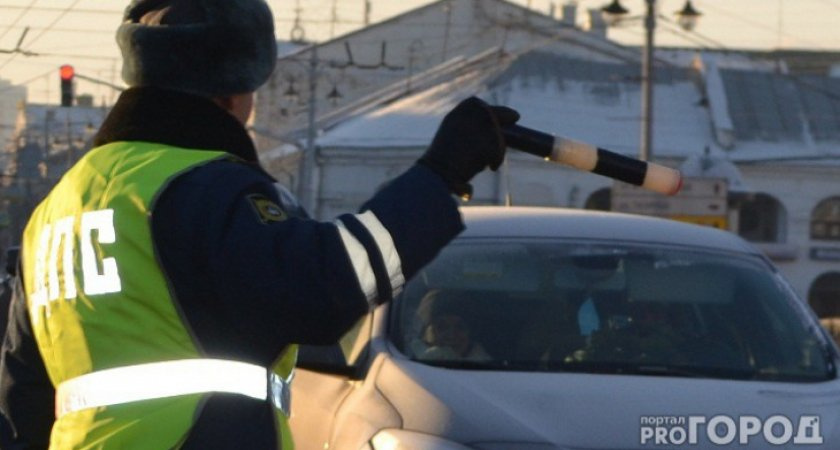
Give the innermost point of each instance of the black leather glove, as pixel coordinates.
(468, 140)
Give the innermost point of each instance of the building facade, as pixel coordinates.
(775, 129)
(46, 141)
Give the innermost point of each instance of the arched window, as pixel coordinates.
(824, 298)
(600, 200)
(761, 218)
(825, 220)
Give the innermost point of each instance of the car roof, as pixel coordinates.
(528, 222)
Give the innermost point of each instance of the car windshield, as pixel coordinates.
(605, 308)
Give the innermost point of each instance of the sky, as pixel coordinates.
(81, 32)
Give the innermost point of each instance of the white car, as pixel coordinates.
(565, 329)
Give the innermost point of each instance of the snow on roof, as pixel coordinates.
(777, 107)
(715, 166)
(774, 115)
(600, 103)
(408, 122)
(685, 57)
(594, 102)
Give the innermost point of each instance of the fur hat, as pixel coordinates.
(210, 48)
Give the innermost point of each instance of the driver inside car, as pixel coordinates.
(447, 334)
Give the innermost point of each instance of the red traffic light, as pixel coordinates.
(66, 72)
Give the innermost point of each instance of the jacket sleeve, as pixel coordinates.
(250, 280)
(27, 397)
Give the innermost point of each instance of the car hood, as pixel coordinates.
(499, 409)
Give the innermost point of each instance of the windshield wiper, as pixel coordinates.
(596, 367)
(633, 369)
(658, 370)
(673, 371)
(464, 364)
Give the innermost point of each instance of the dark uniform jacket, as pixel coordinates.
(247, 284)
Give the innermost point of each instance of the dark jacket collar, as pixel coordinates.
(173, 118)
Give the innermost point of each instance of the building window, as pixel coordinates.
(761, 218)
(824, 298)
(600, 200)
(825, 220)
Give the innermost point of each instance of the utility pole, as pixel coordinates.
(306, 188)
(333, 18)
(687, 19)
(48, 114)
(646, 145)
(448, 8)
(69, 138)
(413, 49)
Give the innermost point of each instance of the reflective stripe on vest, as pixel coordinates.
(169, 379)
(94, 287)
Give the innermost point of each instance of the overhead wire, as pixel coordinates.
(319, 21)
(20, 16)
(54, 9)
(345, 12)
(78, 56)
(52, 24)
(27, 81)
(98, 45)
(801, 81)
(703, 41)
(798, 80)
(66, 30)
(693, 36)
(78, 67)
(699, 38)
(42, 32)
(771, 29)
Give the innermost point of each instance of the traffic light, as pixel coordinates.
(67, 73)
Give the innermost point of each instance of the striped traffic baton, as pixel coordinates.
(590, 158)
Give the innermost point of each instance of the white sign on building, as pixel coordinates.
(701, 200)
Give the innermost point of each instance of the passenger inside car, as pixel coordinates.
(603, 309)
(446, 332)
(590, 295)
(657, 322)
(646, 335)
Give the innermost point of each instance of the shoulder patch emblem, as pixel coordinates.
(267, 211)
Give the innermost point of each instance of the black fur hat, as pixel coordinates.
(210, 48)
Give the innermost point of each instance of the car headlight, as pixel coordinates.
(394, 439)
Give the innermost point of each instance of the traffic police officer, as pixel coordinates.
(164, 282)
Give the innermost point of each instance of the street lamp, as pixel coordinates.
(614, 12)
(291, 94)
(687, 18)
(334, 96)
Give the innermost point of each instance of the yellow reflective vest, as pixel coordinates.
(127, 372)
